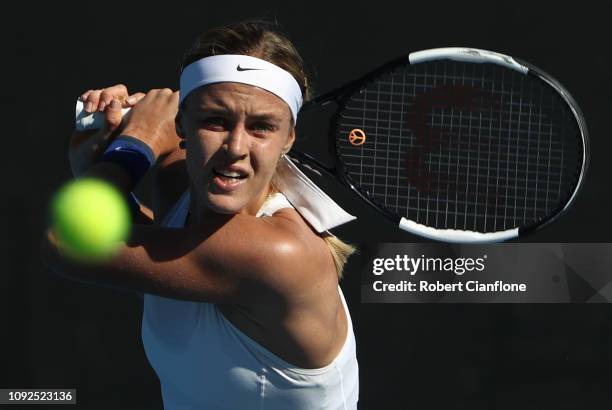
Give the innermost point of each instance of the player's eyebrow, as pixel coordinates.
(264, 116)
(215, 109)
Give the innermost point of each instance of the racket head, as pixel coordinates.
(461, 144)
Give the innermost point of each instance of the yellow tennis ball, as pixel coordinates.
(90, 218)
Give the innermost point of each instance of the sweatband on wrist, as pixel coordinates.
(246, 70)
(131, 154)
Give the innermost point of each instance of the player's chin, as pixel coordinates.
(223, 202)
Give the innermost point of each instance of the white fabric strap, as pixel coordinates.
(308, 199)
(246, 70)
(273, 203)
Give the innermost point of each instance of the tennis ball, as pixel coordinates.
(90, 218)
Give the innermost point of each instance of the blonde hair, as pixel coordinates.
(340, 252)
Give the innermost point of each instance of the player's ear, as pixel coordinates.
(290, 141)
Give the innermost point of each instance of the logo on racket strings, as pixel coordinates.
(357, 137)
(433, 139)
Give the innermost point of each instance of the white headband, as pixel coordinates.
(246, 70)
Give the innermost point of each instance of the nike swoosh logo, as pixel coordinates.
(238, 68)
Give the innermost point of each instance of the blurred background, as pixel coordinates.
(62, 334)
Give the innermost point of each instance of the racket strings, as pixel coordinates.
(462, 146)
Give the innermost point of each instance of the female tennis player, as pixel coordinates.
(242, 308)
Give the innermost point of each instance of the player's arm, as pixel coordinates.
(225, 261)
(86, 147)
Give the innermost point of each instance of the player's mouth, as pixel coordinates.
(230, 178)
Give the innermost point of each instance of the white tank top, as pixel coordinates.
(203, 361)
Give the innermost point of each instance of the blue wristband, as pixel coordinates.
(131, 154)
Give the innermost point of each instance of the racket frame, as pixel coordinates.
(472, 55)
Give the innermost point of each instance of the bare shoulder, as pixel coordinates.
(306, 237)
(310, 266)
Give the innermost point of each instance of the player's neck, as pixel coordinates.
(199, 212)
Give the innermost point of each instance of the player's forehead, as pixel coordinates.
(234, 97)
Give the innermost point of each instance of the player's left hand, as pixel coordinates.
(151, 120)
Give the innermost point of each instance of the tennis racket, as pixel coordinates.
(455, 144)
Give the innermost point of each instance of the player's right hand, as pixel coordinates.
(85, 146)
(98, 100)
(101, 100)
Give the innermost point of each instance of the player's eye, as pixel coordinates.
(214, 123)
(263, 126)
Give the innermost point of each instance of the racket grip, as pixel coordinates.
(91, 121)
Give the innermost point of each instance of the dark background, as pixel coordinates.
(60, 334)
